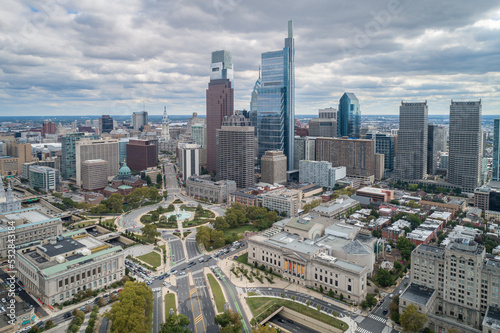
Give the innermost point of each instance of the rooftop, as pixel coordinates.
(417, 294)
(492, 318)
(23, 218)
(61, 247)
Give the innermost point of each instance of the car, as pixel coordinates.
(391, 295)
(201, 260)
(67, 315)
(281, 320)
(183, 269)
(177, 230)
(290, 321)
(385, 312)
(90, 301)
(235, 257)
(182, 273)
(173, 272)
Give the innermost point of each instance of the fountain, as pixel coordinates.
(178, 214)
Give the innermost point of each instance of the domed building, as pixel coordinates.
(124, 182)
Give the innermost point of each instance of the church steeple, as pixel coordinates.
(164, 119)
(9, 196)
(2, 190)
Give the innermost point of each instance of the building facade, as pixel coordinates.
(436, 143)
(7, 201)
(141, 154)
(411, 158)
(203, 188)
(305, 149)
(276, 101)
(107, 150)
(495, 172)
(349, 116)
(273, 167)
(44, 177)
(283, 201)
(94, 174)
(189, 160)
(384, 144)
(68, 153)
(139, 120)
(321, 173)
(465, 146)
(323, 127)
(105, 124)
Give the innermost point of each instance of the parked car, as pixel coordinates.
(385, 312)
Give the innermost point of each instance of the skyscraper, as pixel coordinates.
(253, 104)
(464, 166)
(411, 156)
(235, 151)
(276, 101)
(105, 149)
(384, 144)
(141, 154)
(105, 124)
(349, 116)
(496, 155)
(139, 120)
(436, 142)
(220, 100)
(165, 125)
(68, 157)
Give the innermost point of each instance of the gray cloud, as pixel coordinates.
(94, 57)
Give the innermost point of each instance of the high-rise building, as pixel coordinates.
(253, 104)
(189, 160)
(105, 124)
(68, 156)
(198, 133)
(48, 128)
(43, 177)
(328, 113)
(411, 158)
(384, 144)
(236, 154)
(165, 125)
(464, 166)
(139, 120)
(357, 155)
(273, 167)
(22, 151)
(325, 125)
(305, 149)
(320, 172)
(107, 149)
(349, 116)
(94, 174)
(436, 142)
(276, 101)
(141, 154)
(220, 100)
(495, 174)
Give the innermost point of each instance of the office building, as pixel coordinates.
(323, 127)
(436, 143)
(25, 168)
(55, 269)
(379, 166)
(189, 160)
(105, 124)
(94, 174)
(320, 172)
(139, 120)
(220, 101)
(21, 151)
(283, 200)
(198, 133)
(68, 156)
(107, 149)
(235, 151)
(201, 187)
(384, 144)
(455, 286)
(9, 166)
(328, 113)
(465, 146)
(338, 208)
(45, 178)
(48, 128)
(376, 194)
(122, 149)
(495, 172)
(165, 125)
(276, 101)
(253, 105)
(411, 158)
(357, 155)
(141, 154)
(273, 167)
(349, 117)
(305, 149)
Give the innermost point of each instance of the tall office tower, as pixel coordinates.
(94, 174)
(68, 157)
(141, 154)
(139, 120)
(436, 142)
(349, 116)
(43, 177)
(188, 159)
(495, 174)
(105, 124)
(48, 128)
(464, 166)
(194, 120)
(323, 127)
(273, 167)
(23, 153)
(276, 101)
(253, 104)
(411, 158)
(165, 125)
(235, 152)
(357, 155)
(107, 150)
(384, 144)
(328, 113)
(305, 149)
(220, 100)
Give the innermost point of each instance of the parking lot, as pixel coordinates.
(139, 272)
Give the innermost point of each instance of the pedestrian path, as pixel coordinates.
(362, 330)
(382, 320)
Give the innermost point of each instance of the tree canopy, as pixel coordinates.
(175, 324)
(229, 321)
(412, 320)
(150, 232)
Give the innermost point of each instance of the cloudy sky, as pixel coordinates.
(60, 57)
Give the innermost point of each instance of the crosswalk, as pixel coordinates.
(382, 320)
(362, 330)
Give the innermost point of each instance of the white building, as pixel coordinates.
(320, 172)
(189, 159)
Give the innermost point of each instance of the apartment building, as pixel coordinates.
(283, 201)
(202, 187)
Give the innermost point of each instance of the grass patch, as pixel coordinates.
(239, 230)
(152, 258)
(170, 303)
(194, 223)
(261, 305)
(217, 292)
(243, 259)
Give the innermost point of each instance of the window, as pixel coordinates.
(61, 297)
(60, 283)
(349, 288)
(66, 281)
(72, 279)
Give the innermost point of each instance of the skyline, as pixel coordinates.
(93, 59)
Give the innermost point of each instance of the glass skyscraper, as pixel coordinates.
(496, 156)
(276, 101)
(349, 116)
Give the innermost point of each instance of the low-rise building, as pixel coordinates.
(376, 194)
(246, 199)
(337, 208)
(283, 201)
(201, 187)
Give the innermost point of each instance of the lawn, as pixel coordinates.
(169, 303)
(152, 258)
(194, 223)
(217, 292)
(240, 229)
(243, 259)
(260, 304)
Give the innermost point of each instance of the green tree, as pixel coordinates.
(394, 309)
(384, 277)
(100, 209)
(220, 223)
(199, 209)
(115, 203)
(412, 320)
(172, 218)
(150, 232)
(153, 194)
(159, 179)
(148, 180)
(229, 321)
(175, 324)
(264, 329)
(371, 300)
